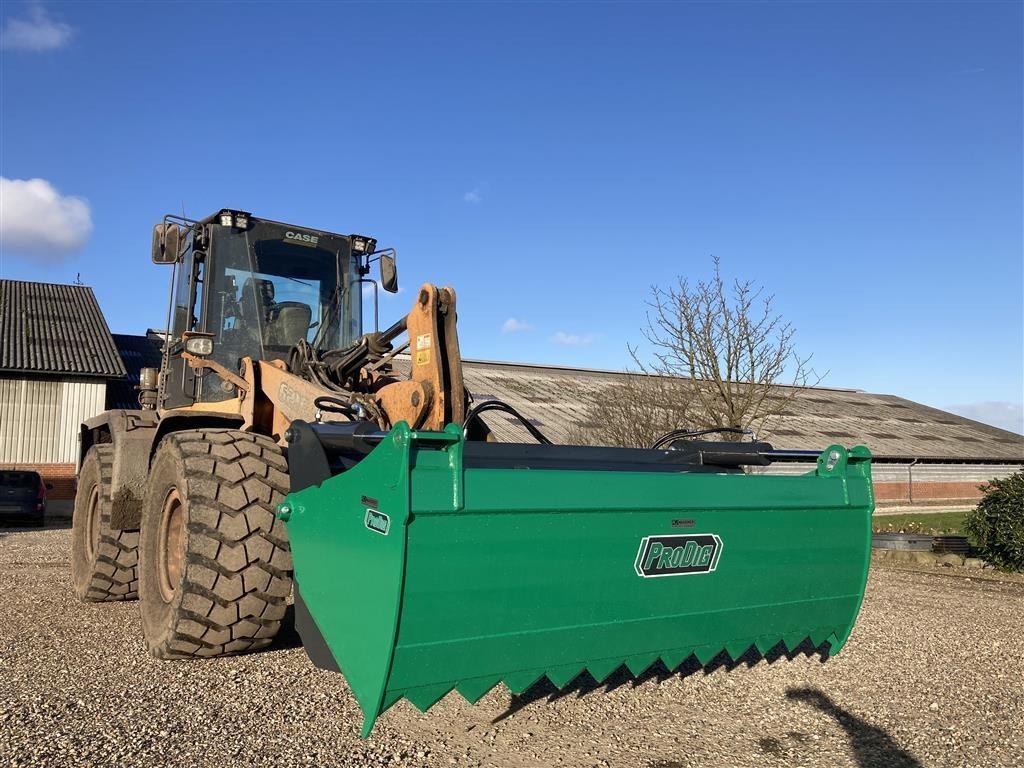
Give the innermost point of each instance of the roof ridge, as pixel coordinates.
(574, 369)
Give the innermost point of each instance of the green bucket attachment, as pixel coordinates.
(425, 563)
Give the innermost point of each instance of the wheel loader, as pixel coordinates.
(283, 452)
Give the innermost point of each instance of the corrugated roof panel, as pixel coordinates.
(59, 329)
(888, 425)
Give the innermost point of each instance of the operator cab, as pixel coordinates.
(249, 287)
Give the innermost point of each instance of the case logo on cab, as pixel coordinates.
(677, 555)
(302, 238)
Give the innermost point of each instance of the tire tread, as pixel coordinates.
(116, 573)
(234, 482)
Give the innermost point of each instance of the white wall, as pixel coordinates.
(39, 418)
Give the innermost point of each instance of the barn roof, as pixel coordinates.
(557, 398)
(55, 329)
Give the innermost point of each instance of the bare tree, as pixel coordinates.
(729, 341)
(634, 413)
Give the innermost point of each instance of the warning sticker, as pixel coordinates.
(424, 341)
(423, 357)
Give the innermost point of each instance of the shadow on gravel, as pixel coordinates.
(872, 747)
(287, 636)
(585, 683)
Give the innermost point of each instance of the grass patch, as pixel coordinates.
(938, 522)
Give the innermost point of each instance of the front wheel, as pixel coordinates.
(103, 560)
(215, 562)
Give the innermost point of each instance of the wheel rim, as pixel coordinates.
(92, 523)
(170, 549)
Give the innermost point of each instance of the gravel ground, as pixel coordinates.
(931, 677)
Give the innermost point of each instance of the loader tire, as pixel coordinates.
(215, 562)
(104, 561)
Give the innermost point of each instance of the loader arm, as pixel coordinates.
(270, 396)
(436, 360)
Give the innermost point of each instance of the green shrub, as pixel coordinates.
(996, 525)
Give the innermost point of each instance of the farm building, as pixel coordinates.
(59, 365)
(56, 359)
(924, 455)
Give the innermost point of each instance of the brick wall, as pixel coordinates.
(60, 476)
(935, 484)
(928, 491)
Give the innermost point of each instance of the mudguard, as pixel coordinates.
(135, 435)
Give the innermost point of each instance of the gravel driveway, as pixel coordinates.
(932, 676)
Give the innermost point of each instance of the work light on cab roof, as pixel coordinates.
(363, 244)
(236, 219)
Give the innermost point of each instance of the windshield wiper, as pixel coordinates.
(328, 321)
(296, 280)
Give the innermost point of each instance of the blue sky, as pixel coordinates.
(553, 161)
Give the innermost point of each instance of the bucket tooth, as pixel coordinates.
(765, 644)
(736, 650)
(706, 653)
(562, 676)
(639, 664)
(601, 670)
(427, 696)
(842, 636)
(833, 644)
(794, 640)
(819, 636)
(674, 659)
(518, 682)
(473, 690)
(389, 700)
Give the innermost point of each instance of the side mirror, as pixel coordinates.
(166, 243)
(388, 274)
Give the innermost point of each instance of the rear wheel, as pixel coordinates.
(215, 563)
(104, 561)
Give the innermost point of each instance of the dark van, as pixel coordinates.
(22, 496)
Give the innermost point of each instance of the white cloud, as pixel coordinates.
(1009, 416)
(473, 196)
(515, 326)
(36, 31)
(574, 339)
(36, 220)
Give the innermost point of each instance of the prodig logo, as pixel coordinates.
(678, 555)
(377, 521)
